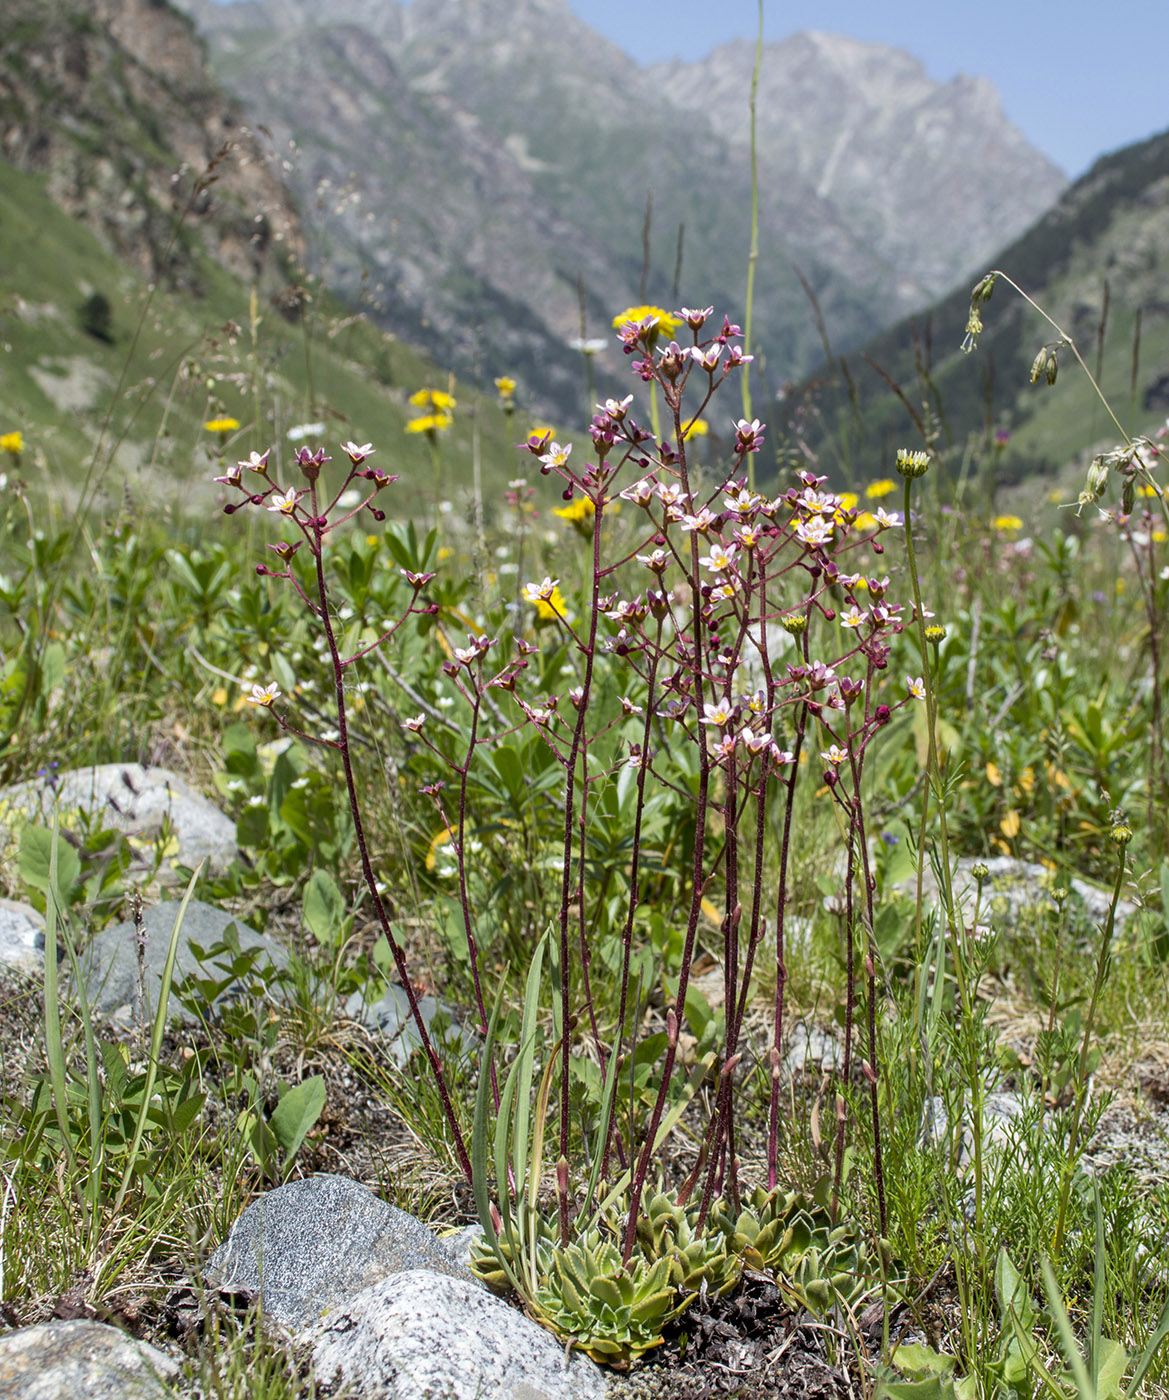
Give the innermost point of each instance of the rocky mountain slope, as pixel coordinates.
(1097, 262)
(110, 101)
(478, 171)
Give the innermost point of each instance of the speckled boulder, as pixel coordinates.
(310, 1246)
(81, 1360)
(128, 797)
(111, 959)
(425, 1337)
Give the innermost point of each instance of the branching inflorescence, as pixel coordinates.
(748, 643)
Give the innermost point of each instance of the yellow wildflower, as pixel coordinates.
(1007, 524)
(848, 500)
(667, 324)
(551, 608)
(876, 489)
(505, 387)
(430, 423)
(542, 430)
(221, 425)
(865, 522)
(436, 400)
(577, 512)
(699, 427)
(12, 442)
(1144, 489)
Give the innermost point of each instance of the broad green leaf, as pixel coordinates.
(324, 907)
(298, 1109)
(37, 867)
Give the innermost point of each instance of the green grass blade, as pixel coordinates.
(156, 1035)
(533, 1192)
(1096, 1335)
(614, 1073)
(525, 1060)
(665, 1127)
(54, 1047)
(482, 1118)
(1145, 1360)
(1085, 1387)
(93, 1183)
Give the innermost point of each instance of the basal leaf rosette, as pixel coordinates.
(669, 1231)
(612, 1312)
(818, 1264)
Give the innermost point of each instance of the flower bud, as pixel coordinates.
(1052, 368)
(1121, 834)
(794, 623)
(1038, 365)
(912, 464)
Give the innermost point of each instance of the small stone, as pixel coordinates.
(81, 1360)
(390, 1015)
(812, 1051)
(111, 958)
(22, 938)
(310, 1246)
(435, 1338)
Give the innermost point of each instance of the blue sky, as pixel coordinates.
(1078, 77)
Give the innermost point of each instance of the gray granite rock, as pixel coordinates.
(22, 938)
(133, 799)
(391, 1016)
(81, 1361)
(1001, 1111)
(310, 1246)
(1014, 887)
(416, 1336)
(111, 958)
(812, 1050)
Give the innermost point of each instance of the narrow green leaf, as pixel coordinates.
(1067, 1337)
(156, 1035)
(526, 1060)
(54, 1048)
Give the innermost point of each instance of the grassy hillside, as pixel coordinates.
(1097, 264)
(132, 401)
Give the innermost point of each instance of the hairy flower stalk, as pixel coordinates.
(673, 399)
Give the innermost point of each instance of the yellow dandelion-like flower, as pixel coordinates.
(221, 425)
(430, 423)
(1007, 524)
(553, 607)
(865, 521)
(848, 500)
(12, 442)
(505, 387)
(698, 428)
(1144, 489)
(876, 489)
(542, 430)
(578, 511)
(667, 324)
(437, 400)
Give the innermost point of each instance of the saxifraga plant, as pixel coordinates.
(759, 632)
